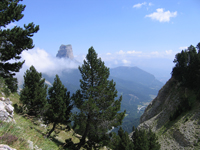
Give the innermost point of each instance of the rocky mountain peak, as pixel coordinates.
(65, 51)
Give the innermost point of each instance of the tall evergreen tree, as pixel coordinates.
(12, 83)
(98, 109)
(125, 143)
(153, 141)
(114, 141)
(34, 92)
(140, 140)
(120, 141)
(13, 41)
(145, 140)
(187, 68)
(180, 69)
(59, 107)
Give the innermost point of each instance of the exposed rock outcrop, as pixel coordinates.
(31, 147)
(65, 51)
(181, 134)
(5, 147)
(6, 110)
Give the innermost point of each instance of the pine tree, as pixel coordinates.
(114, 141)
(145, 140)
(153, 141)
(34, 92)
(13, 41)
(98, 109)
(12, 83)
(59, 107)
(180, 69)
(140, 140)
(187, 67)
(125, 143)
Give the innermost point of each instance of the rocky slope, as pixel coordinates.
(182, 133)
(5, 147)
(6, 110)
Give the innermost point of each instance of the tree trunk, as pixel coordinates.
(54, 125)
(82, 141)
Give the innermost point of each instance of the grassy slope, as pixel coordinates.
(25, 130)
(17, 135)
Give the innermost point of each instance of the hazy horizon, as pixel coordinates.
(50, 65)
(146, 34)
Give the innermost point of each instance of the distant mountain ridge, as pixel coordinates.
(137, 75)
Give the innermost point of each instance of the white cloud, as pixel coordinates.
(115, 62)
(126, 55)
(45, 63)
(168, 52)
(83, 57)
(161, 15)
(126, 62)
(156, 62)
(121, 52)
(155, 53)
(150, 4)
(139, 5)
(9, 26)
(183, 47)
(51, 65)
(108, 53)
(134, 52)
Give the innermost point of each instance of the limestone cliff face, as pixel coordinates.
(184, 132)
(65, 51)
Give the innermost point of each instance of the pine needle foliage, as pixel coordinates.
(96, 102)
(13, 41)
(187, 72)
(125, 143)
(145, 140)
(187, 67)
(59, 105)
(140, 140)
(34, 92)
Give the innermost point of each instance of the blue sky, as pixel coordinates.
(146, 34)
